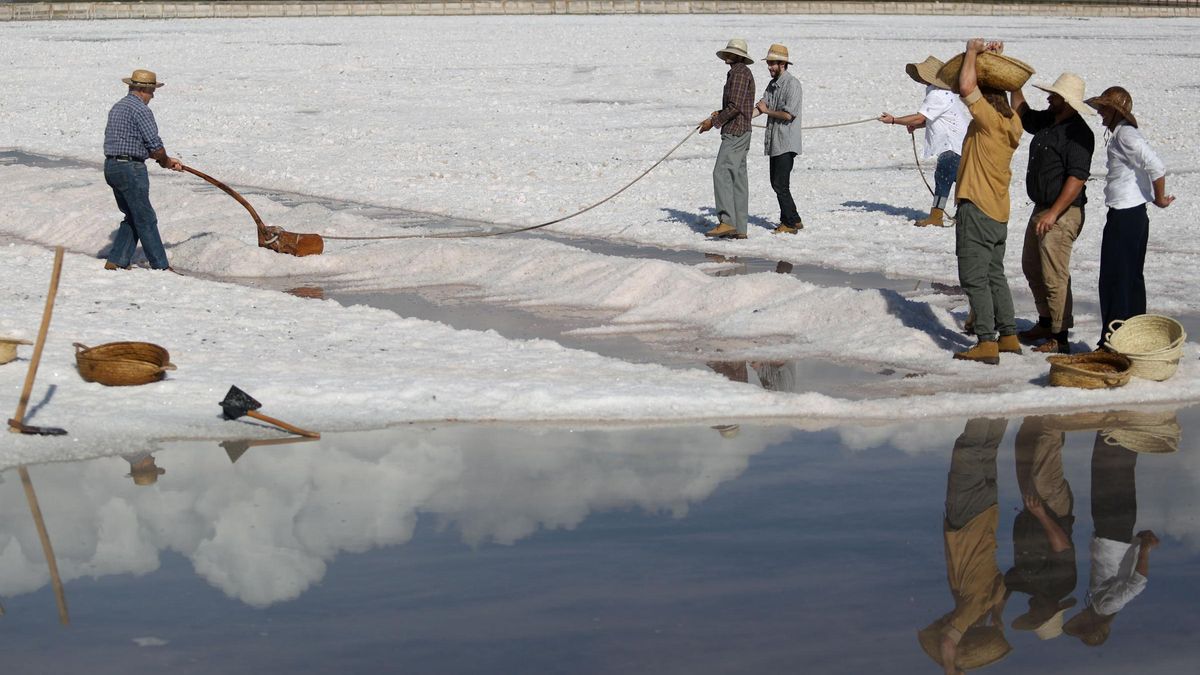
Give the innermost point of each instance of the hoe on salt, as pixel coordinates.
(16, 423)
(238, 403)
(275, 238)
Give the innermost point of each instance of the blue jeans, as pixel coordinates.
(944, 176)
(131, 186)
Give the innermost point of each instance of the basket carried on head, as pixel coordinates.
(1153, 344)
(119, 364)
(1094, 370)
(992, 70)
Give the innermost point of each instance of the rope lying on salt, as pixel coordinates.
(567, 217)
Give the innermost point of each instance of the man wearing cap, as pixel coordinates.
(981, 237)
(781, 103)
(1135, 177)
(945, 120)
(1060, 161)
(130, 137)
(731, 185)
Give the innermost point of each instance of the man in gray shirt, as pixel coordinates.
(781, 104)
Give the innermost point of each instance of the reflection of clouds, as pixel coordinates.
(262, 530)
(928, 436)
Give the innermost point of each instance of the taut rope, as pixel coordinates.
(916, 159)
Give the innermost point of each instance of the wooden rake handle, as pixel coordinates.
(232, 193)
(282, 425)
(31, 374)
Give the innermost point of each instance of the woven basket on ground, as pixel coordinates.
(119, 364)
(991, 70)
(1094, 370)
(1153, 344)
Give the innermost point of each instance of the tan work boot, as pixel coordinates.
(722, 231)
(113, 266)
(934, 218)
(1053, 346)
(987, 351)
(1009, 344)
(783, 228)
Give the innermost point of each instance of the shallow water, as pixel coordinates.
(499, 549)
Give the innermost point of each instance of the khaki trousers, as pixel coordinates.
(1046, 261)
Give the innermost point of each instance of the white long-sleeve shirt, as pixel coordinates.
(1132, 168)
(1114, 580)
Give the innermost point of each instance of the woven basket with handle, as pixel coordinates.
(1094, 370)
(119, 364)
(993, 70)
(1152, 342)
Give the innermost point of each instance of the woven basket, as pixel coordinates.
(1153, 344)
(120, 364)
(1094, 370)
(993, 70)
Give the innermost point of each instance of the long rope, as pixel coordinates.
(577, 213)
(916, 159)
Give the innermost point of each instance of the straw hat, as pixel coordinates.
(1039, 619)
(727, 430)
(8, 348)
(926, 72)
(736, 47)
(778, 52)
(145, 471)
(1119, 100)
(980, 646)
(1091, 627)
(1070, 87)
(145, 79)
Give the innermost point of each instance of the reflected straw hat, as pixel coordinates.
(736, 47)
(778, 52)
(143, 79)
(1045, 619)
(926, 72)
(1070, 87)
(1119, 100)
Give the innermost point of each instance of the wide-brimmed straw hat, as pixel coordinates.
(1119, 100)
(8, 348)
(1070, 87)
(145, 79)
(778, 52)
(736, 47)
(1044, 618)
(926, 72)
(1090, 627)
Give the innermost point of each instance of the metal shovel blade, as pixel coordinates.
(20, 428)
(238, 403)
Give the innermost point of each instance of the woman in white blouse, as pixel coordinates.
(1135, 177)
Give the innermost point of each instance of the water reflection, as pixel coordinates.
(972, 635)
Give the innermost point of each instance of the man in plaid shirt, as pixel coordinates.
(130, 137)
(731, 185)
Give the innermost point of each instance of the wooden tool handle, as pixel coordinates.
(31, 374)
(232, 193)
(35, 510)
(282, 425)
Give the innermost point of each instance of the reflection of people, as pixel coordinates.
(782, 103)
(142, 468)
(1120, 559)
(972, 634)
(731, 184)
(1135, 177)
(945, 120)
(130, 138)
(1043, 555)
(1060, 161)
(983, 210)
(776, 375)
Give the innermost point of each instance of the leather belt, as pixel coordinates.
(124, 158)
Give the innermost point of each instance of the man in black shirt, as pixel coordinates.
(1060, 160)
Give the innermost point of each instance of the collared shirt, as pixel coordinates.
(784, 94)
(1114, 580)
(131, 129)
(1132, 168)
(986, 167)
(946, 120)
(1058, 150)
(737, 101)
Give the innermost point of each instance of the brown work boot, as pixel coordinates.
(987, 351)
(784, 228)
(113, 266)
(1009, 344)
(1053, 346)
(1040, 331)
(722, 231)
(934, 218)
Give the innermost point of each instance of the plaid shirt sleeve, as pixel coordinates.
(737, 102)
(131, 129)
